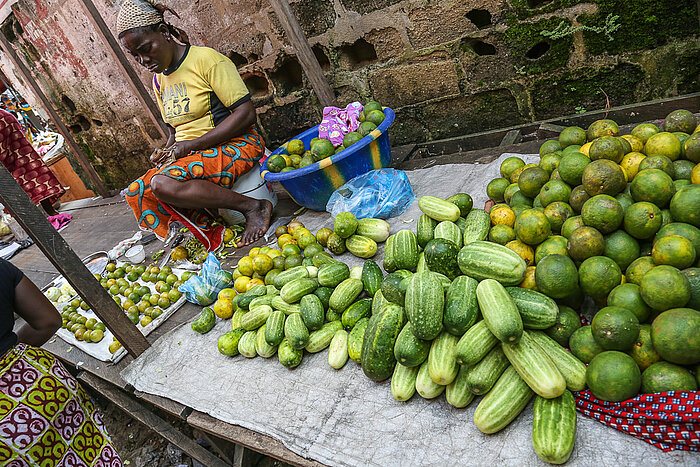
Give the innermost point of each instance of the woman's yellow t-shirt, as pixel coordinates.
(200, 93)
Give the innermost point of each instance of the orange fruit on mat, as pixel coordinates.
(245, 266)
(223, 309)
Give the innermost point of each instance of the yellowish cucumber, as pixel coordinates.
(425, 386)
(403, 382)
(458, 393)
(503, 403)
(535, 367)
(338, 350)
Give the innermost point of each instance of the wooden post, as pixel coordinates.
(68, 264)
(82, 158)
(304, 53)
(120, 57)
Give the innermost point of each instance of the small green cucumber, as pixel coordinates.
(338, 350)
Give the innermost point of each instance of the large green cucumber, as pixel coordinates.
(243, 300)
(425, 231)
(376, 229)
(274, 327)
(204, 322)
(377, 356)
(228, 343)
(461, 306)
(331, 275)
(475, 344)
(356, 312)
(246, 345)
(503, 403)
(372, 277)
(403, 382)
(295, 331)
(255, 317)
(449, 231)
(571, 368)
(312, 312)
(405, 250)
(362, 247)
(394, 286)
(422, 266)
(389, 264)
(321, 338)
(537, 310)
(378, 301)
(554, 428)
(439, 209)
(499, 311)
(344, 294)
(442, 362)
(484, 374)
(294, 290)
(262, 348)
(409, 350)
(425, 386)
(262, 300)
(535, 367)
(441, 256)
(458, 393)
(338, 350)
(297, 272)
(278, 303)
(425, 301)
(476, 226)
(355, 339)
(485, 260)
(288, 356)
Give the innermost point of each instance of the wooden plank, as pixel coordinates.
(152, 421)
(120, 57)
(549, 130)
(64, 259)
(306, 56)
(168, 405)
(512, 137)
(247, 438)
(77, 150)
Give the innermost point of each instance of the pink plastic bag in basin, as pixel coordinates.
(337, 122)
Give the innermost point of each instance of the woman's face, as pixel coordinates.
(151, 49)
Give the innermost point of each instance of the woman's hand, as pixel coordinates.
(181, 149)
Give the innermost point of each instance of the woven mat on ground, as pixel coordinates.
(342, 417)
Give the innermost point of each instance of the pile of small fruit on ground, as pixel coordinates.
(480, 303)
(295, 154)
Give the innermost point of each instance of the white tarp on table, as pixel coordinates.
(342, 417)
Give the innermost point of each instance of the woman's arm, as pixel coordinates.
(42, 318)
(234, 125)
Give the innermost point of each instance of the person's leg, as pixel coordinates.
(198, 194)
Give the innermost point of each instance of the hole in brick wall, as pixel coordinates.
(288, 76)
(537, 3)
(97, 122)
(75, 128)
(360, 53)
(321, 57)
(480, 18)
(482, 48)
(253, 58)
(17, 28)
(8, 31)
(83, 122)
(537, 50)
(238, 59)
(257, 85)
(68, 103)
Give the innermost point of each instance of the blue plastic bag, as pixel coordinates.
(203, 288)
(378, 194)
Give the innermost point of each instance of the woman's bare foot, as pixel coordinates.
(257, 222)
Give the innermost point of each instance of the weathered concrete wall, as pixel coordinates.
(448, 67)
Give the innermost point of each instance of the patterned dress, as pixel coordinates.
(46, 418)
(25, 165)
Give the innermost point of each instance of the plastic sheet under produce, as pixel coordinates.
(341, 417)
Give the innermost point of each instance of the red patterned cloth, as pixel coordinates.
(668, 420)
(25, 165)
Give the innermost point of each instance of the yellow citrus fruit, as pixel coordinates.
(236, 274)
(281, 230)
(253, 283)
(284, 239)
(695, 174)
(223, 309)
(636, 143)
(301, 232)
(523, 250)
(179, 253)
(254, 252)
(226, 294)
(273, 253)
(585, 148)
(697, 128)
(245, 266)
(228, 235)
(502, 214)
(293, 226)
(306, 240)
(630, 164)
(241, 284)
(262, 264)
(287, 159)
(529, 280)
